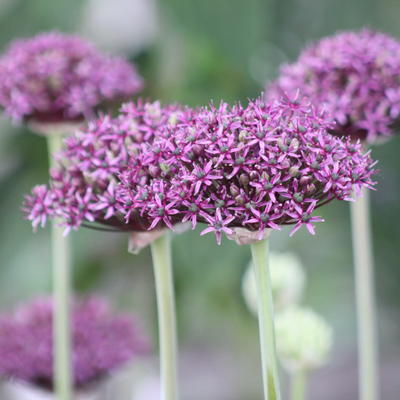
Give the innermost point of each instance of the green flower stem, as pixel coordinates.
(259, 252)
(365, 298)
(61, 266)
(162, 263)
(298, 385)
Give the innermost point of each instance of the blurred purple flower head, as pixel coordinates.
(355, 76)
(254, 167)
(83, 188)
(102, 342)
(54, 77)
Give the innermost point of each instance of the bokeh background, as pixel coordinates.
(194, 51)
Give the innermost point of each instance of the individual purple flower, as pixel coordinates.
(82, 188)
(53, 78)
(257, 167)
(102, 342)
(354, 76)
(218, 225)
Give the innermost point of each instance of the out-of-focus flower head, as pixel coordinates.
(303, 339)
(232, 167)
(102, 342)
(355, 76)
(82, 188)
(54, 77)
(287, 282)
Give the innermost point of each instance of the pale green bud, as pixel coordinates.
(287, 281)
(303, 339)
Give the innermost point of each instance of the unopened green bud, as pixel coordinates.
(287, 281)
(303, 339)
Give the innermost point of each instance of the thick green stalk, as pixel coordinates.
(61, 267)
(259, 252)
(298, 385)
(162, 263)
(365, 298)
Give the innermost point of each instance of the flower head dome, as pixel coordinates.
(82, 188)
(255, 167)
(54, 77)
(355, 76)
(102, 342)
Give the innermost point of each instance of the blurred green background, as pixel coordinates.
(194, 51)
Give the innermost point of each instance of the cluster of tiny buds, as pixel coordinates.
(54, 77)
(256, 167)
(355, 76)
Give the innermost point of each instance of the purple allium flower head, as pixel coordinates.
(355, 76)
(54, 77)
(83, 188)
(102, 342)
(254, 167)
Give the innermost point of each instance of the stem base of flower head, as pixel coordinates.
(243, 236)
(54, 128)
(139, 240)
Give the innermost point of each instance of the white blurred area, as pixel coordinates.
(148, 389)
(121, 26)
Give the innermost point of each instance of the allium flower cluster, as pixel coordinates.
(355, 75)
(254, 167)
(56, 77)
(83, 187)
(102, 342)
